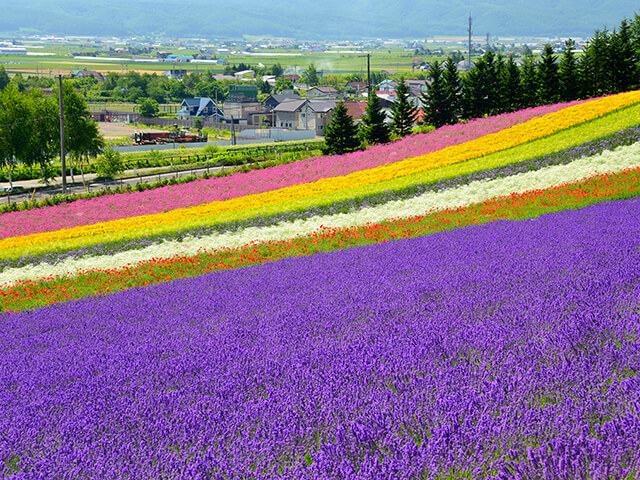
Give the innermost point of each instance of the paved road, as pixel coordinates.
(133, 177)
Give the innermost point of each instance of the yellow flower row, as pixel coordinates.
(505, 139)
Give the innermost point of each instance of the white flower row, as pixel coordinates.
(479, 191)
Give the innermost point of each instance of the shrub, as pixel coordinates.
(109, 164)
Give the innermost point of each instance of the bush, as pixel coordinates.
(109, 164)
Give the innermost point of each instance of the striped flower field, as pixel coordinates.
(459, 304)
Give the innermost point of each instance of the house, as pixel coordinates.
(416, 87)
(202, 107)
(220, 77)
(176, 58)
(293, 77)
(356, 110)
(322, 92)
(269, 79)
(175, 73)
(244, 73)
(242, 101)
(275, 99)
(240, 107)
(304, 114)
(387, 86)
(355, 88)
(84, 73)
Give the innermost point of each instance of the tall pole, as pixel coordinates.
(368, 75)
(469, 40)
(62, 152)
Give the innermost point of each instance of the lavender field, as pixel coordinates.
(506, 350)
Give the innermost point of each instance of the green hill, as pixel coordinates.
(308, 20)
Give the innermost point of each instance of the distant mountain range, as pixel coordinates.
(307, 19)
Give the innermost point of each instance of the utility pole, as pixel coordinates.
(368, 75)
(62, 152)
(233, 131)
(469, 40)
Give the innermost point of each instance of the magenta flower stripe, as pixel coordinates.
(130, 204)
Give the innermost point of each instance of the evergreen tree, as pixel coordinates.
(4, 78)
(547, 75)
(373, 128)
(528, 82)
(404, 113)
(624, 61)
(453, 86)
(500, 98)
(568, 73)
(482, 87)
(341, 135)
(512, 89)
(594, 65)
(634, 31)
(435, 101)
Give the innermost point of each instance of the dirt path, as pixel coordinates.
(114, 130)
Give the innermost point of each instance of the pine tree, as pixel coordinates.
(404, 113)
(623, 60)
(453, 87)
(594, 65)
(512, 89)
(568, 74)
(435, 101)
(373, 128)
(341, 135)
(528, 82)
(482, 88)
(547, 74)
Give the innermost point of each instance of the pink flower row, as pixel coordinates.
(112, 207)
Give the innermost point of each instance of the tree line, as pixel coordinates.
(30, 129)
(609, 64)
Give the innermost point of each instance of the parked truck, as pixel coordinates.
(177, 136)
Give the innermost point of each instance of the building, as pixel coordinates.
(323, 92)
(202, 107)
(175, 73)
(355, 88)
(356, 110)
(84, 73)
(304, 114)
(242, 102)
(275, 99)
(12, 50)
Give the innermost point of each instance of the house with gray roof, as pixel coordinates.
(304, 114)
(202, 107)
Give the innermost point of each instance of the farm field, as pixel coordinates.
(329, 62)
(463, 303)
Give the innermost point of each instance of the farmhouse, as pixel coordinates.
(322, 92)
(304, 114)
(202, 107)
